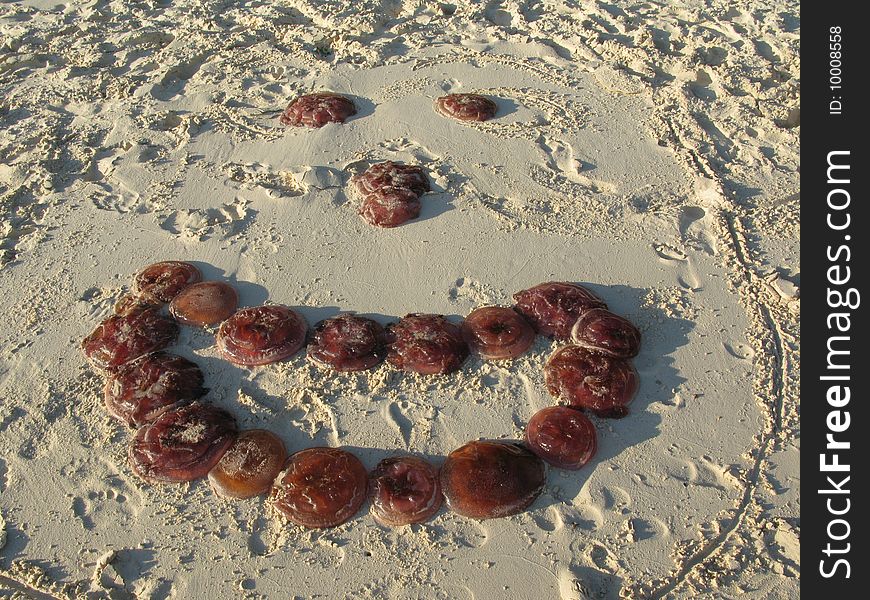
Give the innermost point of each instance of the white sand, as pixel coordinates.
(648, 150)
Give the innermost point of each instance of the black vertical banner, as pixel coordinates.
(835, 447)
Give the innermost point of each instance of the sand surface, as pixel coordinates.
(649, 150)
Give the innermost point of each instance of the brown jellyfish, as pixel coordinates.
(182, 444)
(249, 466)
(390, 207)
(404, 490)
(390, 174)
(260, 335)
(595, 382)
(552, 308)
(599, 330)
(320, 487)
(497, 332)
(348, 343)
(466, 107)
(121, 338)
(562, 436)
(161, 281)
(492, 479)
(318, 109)
(426, 344)
(204, 303)
(142, 389)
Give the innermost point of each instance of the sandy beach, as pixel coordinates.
(649, 151)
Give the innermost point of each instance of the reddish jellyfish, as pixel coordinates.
(141, 390)
(316, 110)
(121, 338)
(562, 436)
(466, 107)
(497, 332)
(391, 193)
(426, 344)
(348, 343)
(161, 281)
(182, 444)
(591, 381)
(132, 302)
(259, 335)
(390, 207)
(553, 308)
(205, 303)
(404, 490)
(320, 487)
(599, 330)
(492, 479)
(249, 466)
(391, 174)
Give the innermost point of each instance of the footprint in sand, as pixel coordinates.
(257, 545)
(449, 85)
(618, 81)
(80, 510)
(704, 472)
(255, 175)
(639, 529)
(499, 17)
(108, 496)
(683, 265)
(123, 201)
(113, 172)
(582, 515)
(739, 350)
(560, 157)
(393, 414)
(549, 520)
(602, 557)
(472, 292)
(457, 532)
(175, 78)
(104, 162)
(227, 221)
(693, 226)
(571, 586)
